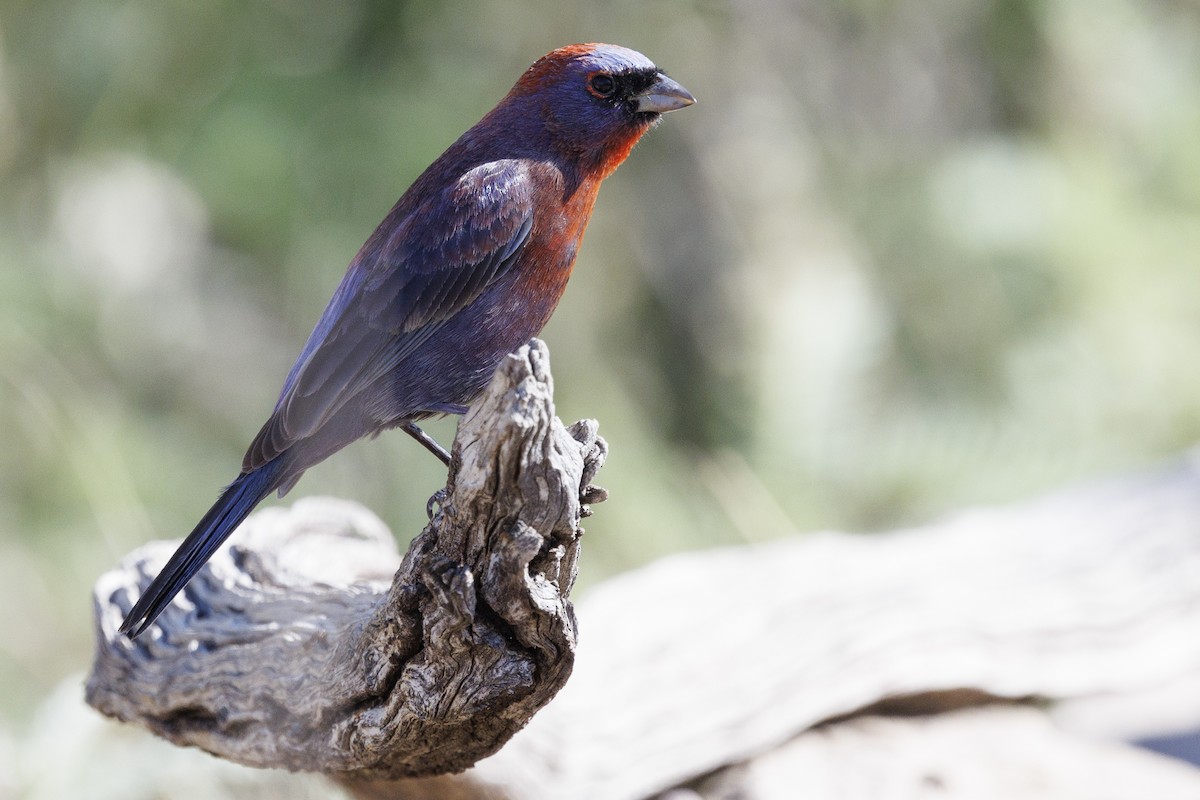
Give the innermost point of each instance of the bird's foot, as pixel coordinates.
(434, 504)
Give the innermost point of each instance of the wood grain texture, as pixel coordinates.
(293, 649)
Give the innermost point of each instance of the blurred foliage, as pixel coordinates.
(901, 257)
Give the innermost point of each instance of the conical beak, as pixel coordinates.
(664, 95)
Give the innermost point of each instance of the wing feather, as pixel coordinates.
(406, 282)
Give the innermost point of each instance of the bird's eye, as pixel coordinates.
(602, 85)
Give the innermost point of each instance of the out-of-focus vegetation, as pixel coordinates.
(900, 257)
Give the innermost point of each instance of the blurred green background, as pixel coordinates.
(900, 258)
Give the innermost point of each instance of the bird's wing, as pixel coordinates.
(402, 286)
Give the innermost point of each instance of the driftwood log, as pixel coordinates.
(927, 662)
(705, 660)
(290, 649)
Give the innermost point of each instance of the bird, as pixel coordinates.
(468, 265)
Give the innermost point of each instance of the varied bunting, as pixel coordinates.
(466, 267)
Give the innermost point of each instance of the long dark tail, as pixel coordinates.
(233, 506)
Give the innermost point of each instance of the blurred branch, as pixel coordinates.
(281, 657)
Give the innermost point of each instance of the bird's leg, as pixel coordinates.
(426, 441)
(432, 446)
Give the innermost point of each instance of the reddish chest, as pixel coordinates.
(550, 254)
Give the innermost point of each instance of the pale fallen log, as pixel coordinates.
(994, 753)
(291, 650)
(708, 659)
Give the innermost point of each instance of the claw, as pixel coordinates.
(434, 503)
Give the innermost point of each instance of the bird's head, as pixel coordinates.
(596, 100)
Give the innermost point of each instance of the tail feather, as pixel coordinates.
(231, 508)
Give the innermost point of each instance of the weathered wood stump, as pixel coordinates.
(928, 662)
(291, 649)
